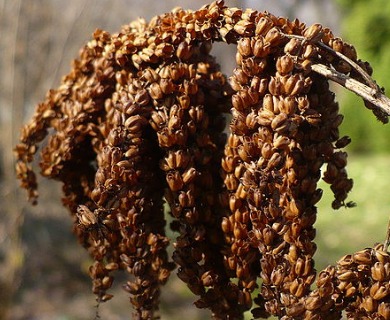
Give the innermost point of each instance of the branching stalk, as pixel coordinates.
(376, 97)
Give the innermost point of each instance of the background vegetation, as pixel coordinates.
(44, 271)
(366, 24)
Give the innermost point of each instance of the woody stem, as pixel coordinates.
(373, 96)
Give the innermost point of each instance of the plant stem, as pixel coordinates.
(376, 97)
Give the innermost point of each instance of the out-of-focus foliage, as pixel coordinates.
(366, 24)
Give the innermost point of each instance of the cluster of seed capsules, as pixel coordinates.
(141, 118)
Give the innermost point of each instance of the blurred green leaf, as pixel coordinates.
(366, 25)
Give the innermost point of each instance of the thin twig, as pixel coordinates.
(370, 92)
(352, 63)
(97, 315)
(68, 38)
(387, 241)
(376, 97)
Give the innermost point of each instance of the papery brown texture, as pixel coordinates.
(140, 120)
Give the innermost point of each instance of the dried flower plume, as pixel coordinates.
(140, 119)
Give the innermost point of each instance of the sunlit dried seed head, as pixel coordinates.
(244, 47)
(263, 25)
(150, 98)
(313, 33)
(284, 65)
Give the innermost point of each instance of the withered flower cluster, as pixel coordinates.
(140, 119)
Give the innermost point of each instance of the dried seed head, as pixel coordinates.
(184, 51)
(284, 65)
(313, 33)
(273, 37)
(263, 25)
(284, 128)
(293, 46)
(86, 216)
(384, 310)
(244, 47)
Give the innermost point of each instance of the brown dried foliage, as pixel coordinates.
(141, 118)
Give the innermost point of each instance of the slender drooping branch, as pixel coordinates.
(387, 241)
(370, 91)
(375, 97)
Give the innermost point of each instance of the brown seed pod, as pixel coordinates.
(284, 65)
(313, 33)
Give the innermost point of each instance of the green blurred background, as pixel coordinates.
(366, 24)
(43, 270)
